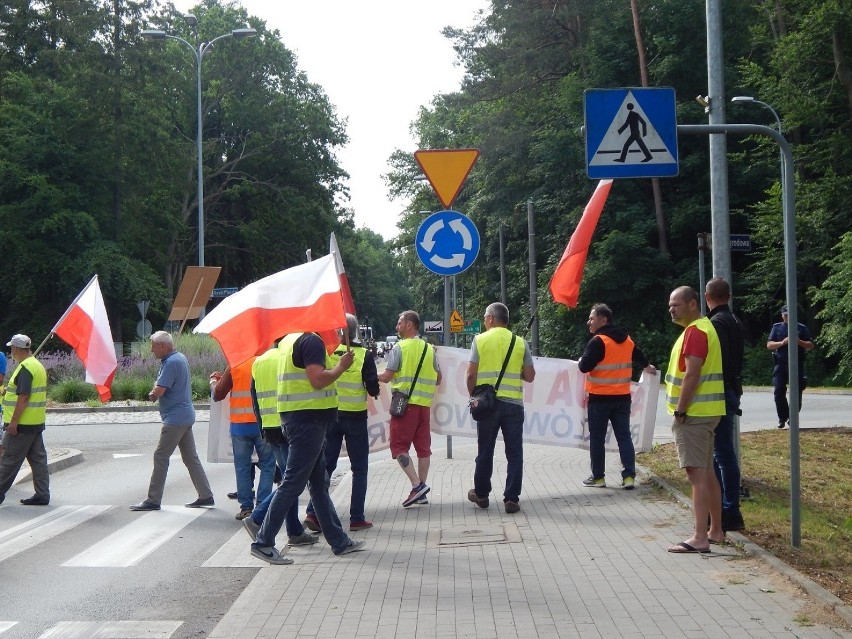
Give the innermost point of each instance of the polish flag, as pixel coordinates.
(304, 298)
(348, 301)
(85, 328)
(565, 283)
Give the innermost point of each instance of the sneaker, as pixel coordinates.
(252, 527)
(782, 424)
(511, 507)
(354, 546)
(244, 512)
(305, 539)
(423, 501)
(35, 500)
(312, 523)
(361, 525)
(416, 493)
(591, 482)
(482, 502)
(232, 495)
(270, 556)
(628, 483)
(200, 503)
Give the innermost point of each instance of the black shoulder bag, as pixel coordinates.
(399, 400)
(483, 400)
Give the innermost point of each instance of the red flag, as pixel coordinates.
(565, 283)
(348, 301)
(303, 298)
(85, 328)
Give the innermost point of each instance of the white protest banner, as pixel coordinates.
(554, 404)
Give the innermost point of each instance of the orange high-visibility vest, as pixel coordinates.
(613, 373)
(241, 408)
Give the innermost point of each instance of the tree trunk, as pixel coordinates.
(662, 238)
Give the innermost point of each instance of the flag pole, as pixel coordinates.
(342, 301)
(40, 346)
(71, 306)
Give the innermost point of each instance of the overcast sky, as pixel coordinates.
(378, 61)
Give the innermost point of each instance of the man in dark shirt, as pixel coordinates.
(609, 359)
(728, 327)
(777, 343)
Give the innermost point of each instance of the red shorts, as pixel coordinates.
(411, 428)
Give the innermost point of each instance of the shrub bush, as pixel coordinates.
(71, 390)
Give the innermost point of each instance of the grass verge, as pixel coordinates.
(825, 554)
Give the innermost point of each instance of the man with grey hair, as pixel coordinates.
(353, 386)
(174, 392)
(491, 351)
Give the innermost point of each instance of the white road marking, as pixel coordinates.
(132, 543)
(125, 455)
(112, 630)
(5, 625)
(54, 522)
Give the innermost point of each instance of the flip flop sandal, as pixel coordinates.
(684, 548)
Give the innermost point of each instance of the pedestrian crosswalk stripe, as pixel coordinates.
(148, 629)
(54, 522)
(235, 553)
(132, 543)
(5, 625)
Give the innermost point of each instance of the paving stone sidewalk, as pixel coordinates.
(575, 562)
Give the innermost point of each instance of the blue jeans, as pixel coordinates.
(617, 413)
(725, 461)
(305, 466)
(508, 418)
(244, 446)
(352, 428)
(294, 525)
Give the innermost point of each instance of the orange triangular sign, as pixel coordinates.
(446, 170)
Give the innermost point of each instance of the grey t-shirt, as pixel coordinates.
(176, 407)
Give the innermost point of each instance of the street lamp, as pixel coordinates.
(199, 49)
(747, 99)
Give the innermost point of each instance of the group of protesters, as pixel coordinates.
(296, 405)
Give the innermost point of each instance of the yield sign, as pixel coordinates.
(446, 170)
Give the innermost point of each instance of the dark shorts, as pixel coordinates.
(411, 428)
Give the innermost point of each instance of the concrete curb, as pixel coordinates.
(57, 460)
(812, 588)
(135, 408)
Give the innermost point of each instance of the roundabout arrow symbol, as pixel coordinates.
(459, 227)
(428, 242)
(457, 260)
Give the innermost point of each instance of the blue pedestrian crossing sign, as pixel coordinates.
(447, 242)
(630, 133)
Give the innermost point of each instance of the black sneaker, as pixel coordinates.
(732, 520)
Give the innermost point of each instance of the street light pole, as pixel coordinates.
(198, 51)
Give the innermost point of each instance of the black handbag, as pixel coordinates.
(399, 400)
(483, 400)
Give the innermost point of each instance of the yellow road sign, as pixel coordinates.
(456, 322)
(446, 170)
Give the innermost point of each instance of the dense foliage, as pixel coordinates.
(98, 162)
(528, 63)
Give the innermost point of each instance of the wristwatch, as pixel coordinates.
(678, 414)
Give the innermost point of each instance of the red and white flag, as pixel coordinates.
(306, 297)
(565, 283)
(348, 301)
(85, 328)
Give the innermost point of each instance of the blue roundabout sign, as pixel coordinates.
(447, 242)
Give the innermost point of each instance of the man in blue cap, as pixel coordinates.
(778, 342)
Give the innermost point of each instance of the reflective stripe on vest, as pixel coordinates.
(351, 394)
(264, 371)
(294, 388)
(492, 346)
(613, 373)
(709, 399)
(427, 380)
(242, 411)
(35, 412)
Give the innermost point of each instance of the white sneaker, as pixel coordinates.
(270, 556)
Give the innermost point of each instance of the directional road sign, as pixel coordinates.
(433, 326)
(472, 327)
(631, 133)
(447, 242)
(740, 242)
